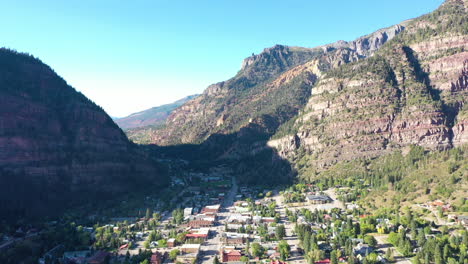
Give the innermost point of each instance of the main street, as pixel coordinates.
(210, 248)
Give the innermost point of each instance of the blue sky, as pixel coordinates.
(128, 56)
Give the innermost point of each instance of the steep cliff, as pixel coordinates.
(399, 86)
(272, 85)
(56, 146)
(413, 91)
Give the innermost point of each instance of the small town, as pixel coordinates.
(227, 223)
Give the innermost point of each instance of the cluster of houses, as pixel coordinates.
(57, 255)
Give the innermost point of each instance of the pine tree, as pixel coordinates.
(437, 255)
(333, 257)
(446, 252)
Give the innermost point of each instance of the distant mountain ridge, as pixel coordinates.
(155, 116)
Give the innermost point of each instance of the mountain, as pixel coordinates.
(57, 148)
(154, 117)
(413, 91)
(314, 107)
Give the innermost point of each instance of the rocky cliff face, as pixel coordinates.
(399, 86)
(274, 83)
(413, 91)
(56, 146)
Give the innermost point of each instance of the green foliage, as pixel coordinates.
(257, 250)
(173, 254)
(284, 250)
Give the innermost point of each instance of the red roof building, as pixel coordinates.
(231, 255)
(323, 261)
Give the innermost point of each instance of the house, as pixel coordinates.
(156, 258)
(188, 212)
(256, 219)
(462, 220)
(318, 199)
(362, 250)
(238, 219)
(230, 255)
(233, 227)
(100, 257)
(171, 242)
(268, 219)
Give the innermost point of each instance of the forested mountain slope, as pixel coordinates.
(57, 147)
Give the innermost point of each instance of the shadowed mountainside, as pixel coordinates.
(57, 148)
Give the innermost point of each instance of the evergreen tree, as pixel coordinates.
(446, 252)
(148, 213)
(333, 257)
(437, 255)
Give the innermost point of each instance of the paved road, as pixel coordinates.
(385, 246)
(11, 242)
(291, 238)
(210, 248)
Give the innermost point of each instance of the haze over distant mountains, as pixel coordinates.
(155, 116)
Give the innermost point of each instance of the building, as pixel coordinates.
(362, 250)
(462, 220)
(238, 219)
(268, 219)
(230, 254)
(200, 223)
(190, 248)
(211, 209)
(201, 233)
(188, 212)
(171, 242)
(189, 253)
(318, 199)
(233, 239)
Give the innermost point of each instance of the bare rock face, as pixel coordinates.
(413, 91)
(460, 128)
(56, 146)
(278, 78)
